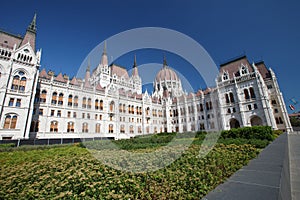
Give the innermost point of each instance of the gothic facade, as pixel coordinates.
(108, 102)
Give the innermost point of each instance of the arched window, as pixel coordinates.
(244, 70)
(131, 129)
(132, 109)
(61, 99)
(84, 102)
(96, 104)
(231, 97)
(148, 111)
(246, 94)
(22, 84)
(110, 128)
(201, 107)
(54, 98)
(70, 127)
(139, 129)
(97, 128)
(207, 106)
(120, 108)
(122, 128)
(111, 106)
(101, 104)
(210, 105)
(85, 128)
(129, 109)
(227, 98)
(225, 76)
(19, 82)
(16, 82)
(54, 126)
(124, 108)
(252, 94)
(89, 103)
(76, 101)
(70, 100)
(43, 96)
(10, 121)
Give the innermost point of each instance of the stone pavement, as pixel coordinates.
(274, 174)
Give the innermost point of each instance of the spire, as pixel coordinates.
(104, 59)
(89, 65)
(134, 62)
(30, 34)
(165, 61)
(135, 69)
(87, 76)
(104, 49)
(32, 25)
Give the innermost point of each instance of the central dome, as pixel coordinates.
(167, 74)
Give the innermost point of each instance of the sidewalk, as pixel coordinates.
(266, 177)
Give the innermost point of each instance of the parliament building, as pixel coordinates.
(108, 102)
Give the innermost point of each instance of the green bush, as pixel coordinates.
(241, 141)
(255, 132)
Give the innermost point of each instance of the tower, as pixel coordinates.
(20, 69)
(136, 80)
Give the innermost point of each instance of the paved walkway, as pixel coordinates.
(294, 152)
(263, 177)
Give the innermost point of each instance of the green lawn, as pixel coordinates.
(70, 171)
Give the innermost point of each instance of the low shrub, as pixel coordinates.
(255, 132)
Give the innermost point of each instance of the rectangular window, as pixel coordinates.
(11, 102)
(59, 113)
(249, 107)
(100, 117)
(88, 116)
(40, 111)
(74, 114)
(69, 114)
(255, 106)
(18, 103)
(52, 113)
(83, 115)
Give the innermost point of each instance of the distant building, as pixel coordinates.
(109, 102)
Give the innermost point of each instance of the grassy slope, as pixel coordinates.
(72, 172)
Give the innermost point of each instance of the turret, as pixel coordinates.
(30, 34)
(135, 69)
(104, 59)
(87, 76)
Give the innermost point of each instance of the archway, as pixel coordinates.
(256, 121)
(234, 123)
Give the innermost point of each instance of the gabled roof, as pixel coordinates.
(265, 73)
(119, 71)
(74, 81)
(43, 74)
(60, 78)
(8, 40)
(233, 66)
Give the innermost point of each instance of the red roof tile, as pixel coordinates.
(265, 73)
(233, 67)
(60, 78)
(119, 71)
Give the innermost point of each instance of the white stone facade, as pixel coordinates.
(109, 102)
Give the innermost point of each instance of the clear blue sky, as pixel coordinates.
(69, 30)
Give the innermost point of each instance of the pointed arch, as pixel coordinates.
(234, 123)
(256, 121)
